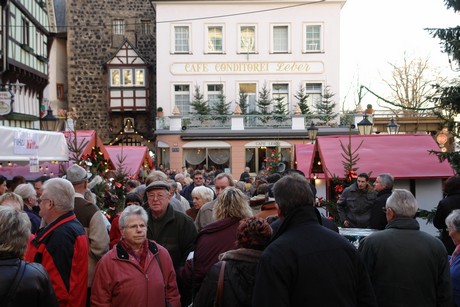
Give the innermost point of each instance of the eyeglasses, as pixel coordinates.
(157, 196)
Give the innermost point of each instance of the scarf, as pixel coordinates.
(141, 255)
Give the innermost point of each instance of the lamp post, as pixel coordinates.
(365, 126)
(49, 122)
(312, 132)
(392, 127)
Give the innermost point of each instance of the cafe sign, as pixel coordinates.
(222, 68)
(5, 102)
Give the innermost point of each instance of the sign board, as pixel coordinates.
(5, 102)
(26, 143)
(34, 165)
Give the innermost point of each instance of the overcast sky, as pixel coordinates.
(374, 33)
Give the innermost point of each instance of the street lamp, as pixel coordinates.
(365, 126)
(392, 127)
(312, 132)
(49, 122)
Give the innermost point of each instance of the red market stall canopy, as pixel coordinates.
(405, 156)
(89, 138)
(304, 157)
(134, 158)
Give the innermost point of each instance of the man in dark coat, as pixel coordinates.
(306, 264)
(383, 185)
(445, 207)
(408, 267)
(198, 180)
(355, 203)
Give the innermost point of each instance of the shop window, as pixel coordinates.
(182, 98)
(199, 157)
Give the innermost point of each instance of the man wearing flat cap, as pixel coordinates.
(170, 228)
(89, 215)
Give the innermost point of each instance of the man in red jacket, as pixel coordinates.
(62, 246)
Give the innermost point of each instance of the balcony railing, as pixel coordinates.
(294, 122)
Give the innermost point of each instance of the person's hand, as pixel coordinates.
(346, 223)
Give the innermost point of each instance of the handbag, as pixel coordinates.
(220, 286)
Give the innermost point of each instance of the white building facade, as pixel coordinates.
(239, 50)
(235, 47)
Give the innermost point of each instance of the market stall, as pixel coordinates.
(131, 159)
(31, 153)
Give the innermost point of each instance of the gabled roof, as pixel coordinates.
(134, 157)
(405, 156)
(126, 55)
(89, 137)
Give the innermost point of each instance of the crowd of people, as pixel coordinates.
(200, 237)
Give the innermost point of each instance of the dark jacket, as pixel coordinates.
(34, 218)
(175, 231)
(378, 218)
(62, 248)
(239, 279)
(307, 264)
(213, 240)
(321, 219)
(408, 267)
(445, 207)
(34, 288)
(355, 205)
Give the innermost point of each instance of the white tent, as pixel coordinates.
(21, 145)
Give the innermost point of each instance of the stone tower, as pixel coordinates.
(96, 30)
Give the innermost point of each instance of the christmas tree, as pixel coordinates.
(272, 160)
(264, 102)
(243, 102)
(326, 107)
(200, 105)
(221, 108)
(279, 109)
(302, 96)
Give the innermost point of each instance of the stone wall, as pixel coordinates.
(90, 44)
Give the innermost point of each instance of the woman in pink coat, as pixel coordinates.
(135, 272)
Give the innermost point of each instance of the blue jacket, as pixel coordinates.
(455, 275)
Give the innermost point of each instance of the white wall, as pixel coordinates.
(327, 13)
(57, 73)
